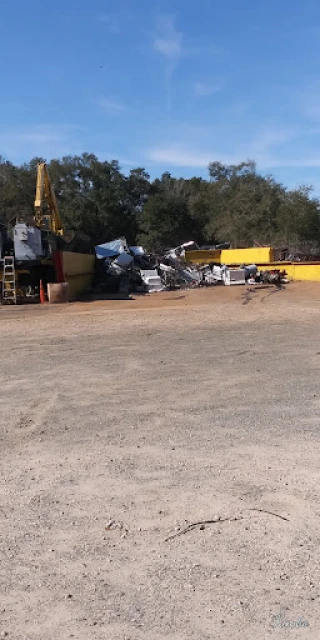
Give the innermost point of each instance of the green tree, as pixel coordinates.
(96, 198)
(17, 191)
(243, 205)
(298, 220)
(235, 204)
(165, 221)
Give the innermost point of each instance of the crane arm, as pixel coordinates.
(45, 195)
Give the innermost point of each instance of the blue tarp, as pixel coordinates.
(111, 249)
(104, 252)
(137, 251)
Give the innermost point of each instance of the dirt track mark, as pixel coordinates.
(33, 418)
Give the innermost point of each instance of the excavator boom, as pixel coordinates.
(45, 196)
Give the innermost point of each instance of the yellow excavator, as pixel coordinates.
(47, 215)
(35, 256)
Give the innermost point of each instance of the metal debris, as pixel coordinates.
(122, 268)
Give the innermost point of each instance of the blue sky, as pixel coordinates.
(164, 85)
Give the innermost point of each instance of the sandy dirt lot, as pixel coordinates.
(155, 413)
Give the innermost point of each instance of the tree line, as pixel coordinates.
(234, 204)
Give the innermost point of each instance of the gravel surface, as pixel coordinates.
(147, 415)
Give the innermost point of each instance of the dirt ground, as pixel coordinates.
(154, 413)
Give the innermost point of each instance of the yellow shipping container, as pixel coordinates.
(203, 257)
(252, 255)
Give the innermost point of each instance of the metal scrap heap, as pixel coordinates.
(124, 269)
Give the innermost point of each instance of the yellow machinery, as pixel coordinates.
(75, 268)
(47, 215)
(67, 265)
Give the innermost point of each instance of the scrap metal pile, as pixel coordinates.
(125, 269)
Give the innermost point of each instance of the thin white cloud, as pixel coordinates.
(271, 148)
(36, 138)
(168, 40)
(37, 135)
(269, 138)
(46, 140)
(203, 89)
(111, 105)
(178, 156)
(298, 161)
(308, 100)
(171, 44)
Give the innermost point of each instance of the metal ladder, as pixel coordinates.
(9, 291)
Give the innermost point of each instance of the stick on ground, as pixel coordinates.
(193, 525)
(270, 513)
